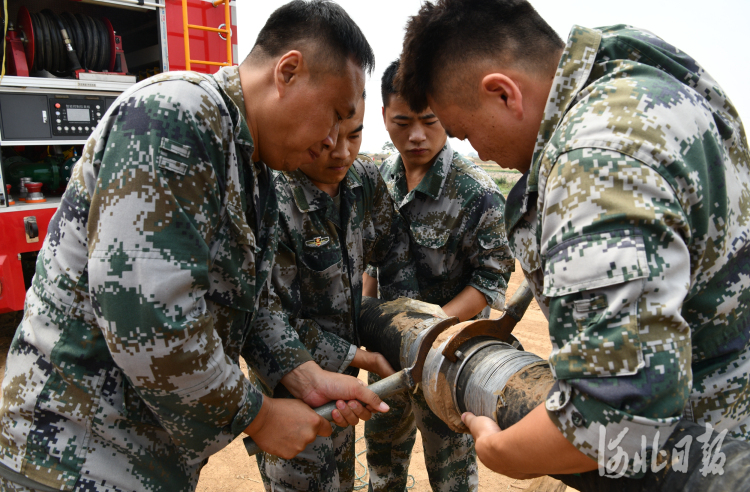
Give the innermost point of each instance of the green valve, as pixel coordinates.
(53, 171)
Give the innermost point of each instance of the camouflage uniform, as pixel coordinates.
(632, 227)
(457, 238)
(124, 372)
(323, 250)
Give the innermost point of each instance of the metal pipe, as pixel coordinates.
(496, 380)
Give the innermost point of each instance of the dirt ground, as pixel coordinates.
(232, 470)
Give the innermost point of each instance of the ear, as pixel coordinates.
(504, 91)
(287, 70)
(383, 114)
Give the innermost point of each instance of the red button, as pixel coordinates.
(57, 105)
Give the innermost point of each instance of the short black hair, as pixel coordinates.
(445, 34)
(386, 82)
(315, 21)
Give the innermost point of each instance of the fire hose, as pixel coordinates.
(64, 43)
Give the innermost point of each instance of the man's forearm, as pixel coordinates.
(467, 304)
(369, 286)
(532, 447)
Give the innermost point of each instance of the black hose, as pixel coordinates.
(38, 46)
(103, 45)
(88, 38)
(76, 32)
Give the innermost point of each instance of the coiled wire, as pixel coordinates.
(495, 367)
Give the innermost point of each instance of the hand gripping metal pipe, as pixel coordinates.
(478, 366)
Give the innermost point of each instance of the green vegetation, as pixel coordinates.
(504, 184)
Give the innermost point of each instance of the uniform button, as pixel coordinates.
(578, 419)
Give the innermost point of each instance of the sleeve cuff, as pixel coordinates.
(248, 410)
(621, 442)
(495, 298)
(287, 355)
(349, 358)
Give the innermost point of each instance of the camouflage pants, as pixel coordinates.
(449, 456)
(326, 465)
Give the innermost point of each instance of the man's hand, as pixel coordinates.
(372, 362)
(316, 387)
(284, 427)
(528, 449)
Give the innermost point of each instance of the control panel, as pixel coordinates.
(75, 116)
(26, 119)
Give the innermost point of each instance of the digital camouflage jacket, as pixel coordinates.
(456, 228)
(124, 372)
(632, 227)
(322, 254)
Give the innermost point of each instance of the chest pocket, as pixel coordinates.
(431, 251)
(321, 278)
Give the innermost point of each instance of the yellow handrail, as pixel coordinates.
(227, 31)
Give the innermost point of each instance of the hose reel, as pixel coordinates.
(66, 43)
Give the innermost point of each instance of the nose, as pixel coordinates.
(329, 142)
(341, 150)
(417, 134)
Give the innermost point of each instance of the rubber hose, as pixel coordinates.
(77, 33)
(38, 46)
(45, 39)
(60, 58)
(103, 45)
(380, 331)
(89, 39)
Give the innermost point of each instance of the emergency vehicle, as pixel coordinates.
(65, 63)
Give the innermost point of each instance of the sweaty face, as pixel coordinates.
(417, 136)
(309, 115)
(330, 168)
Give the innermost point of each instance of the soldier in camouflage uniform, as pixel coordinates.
(124, 373)
(632, 225)
(463, 262)
(335, 216)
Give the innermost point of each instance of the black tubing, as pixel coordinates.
(74, 30)
(379, 333)
(38, 46)
(45, 39)
(103, 45)
(92, 41)
(88, 36)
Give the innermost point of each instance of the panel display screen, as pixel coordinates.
(79, 114)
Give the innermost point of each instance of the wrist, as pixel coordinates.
(302, 379)
(361, 360)
(260, 420)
